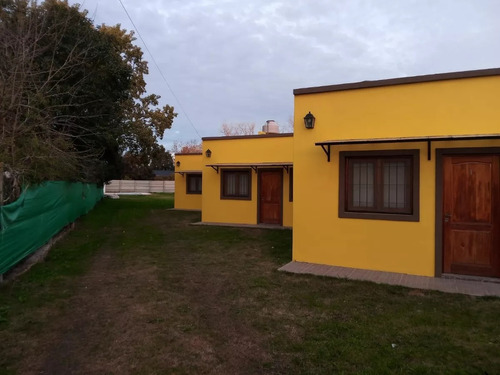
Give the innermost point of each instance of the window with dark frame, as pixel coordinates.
(290, 190)
(379, 185)
(193, 183)
(236, 184)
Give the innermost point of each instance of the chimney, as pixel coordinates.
(270, 127)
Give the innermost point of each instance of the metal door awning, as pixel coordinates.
(326, 145)
(182, 173)
(285, 165)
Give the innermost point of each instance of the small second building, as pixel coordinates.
(248, 179)
(188, 181)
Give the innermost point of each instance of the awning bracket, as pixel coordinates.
(327, 151)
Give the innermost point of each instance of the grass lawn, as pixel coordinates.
(136, 289)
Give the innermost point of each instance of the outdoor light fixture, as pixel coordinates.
(178, 163)
(208, 153)
(309, 120)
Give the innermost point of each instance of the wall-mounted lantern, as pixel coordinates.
(309, 120)
(208, 153)
(178, 163)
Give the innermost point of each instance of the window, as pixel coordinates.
(236, 184)
(193, 183)
(379, 185)
(290, 190)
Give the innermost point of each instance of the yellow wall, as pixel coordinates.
(242, 150)
(465, 106)
(183, 201)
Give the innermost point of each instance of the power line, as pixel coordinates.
(159, 70)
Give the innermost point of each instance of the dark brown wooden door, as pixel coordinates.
(471, 203)
(270, 196)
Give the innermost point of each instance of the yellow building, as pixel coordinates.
(238, 180)
(188, 181)
(400, 175)
(248, 179)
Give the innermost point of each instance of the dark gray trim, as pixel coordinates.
(182, 173)
(268, 135)
(188, 153)
(399, 81)
(258, 193)
(440, 152)
(415, 216)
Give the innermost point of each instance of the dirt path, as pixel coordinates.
(101, 324)
(143, 314)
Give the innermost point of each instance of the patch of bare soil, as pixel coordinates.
(103, 322)
(130, 315)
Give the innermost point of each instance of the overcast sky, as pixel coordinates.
(239, 61)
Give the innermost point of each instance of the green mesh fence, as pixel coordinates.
(39, 214)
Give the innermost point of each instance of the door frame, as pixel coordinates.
(440, 153)
(280, 170)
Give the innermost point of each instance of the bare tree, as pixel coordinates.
(33, 143)
(190, 147)
(289, 126)
(239, 128)
(73, 97)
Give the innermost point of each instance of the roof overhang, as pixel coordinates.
(325, 145)
(182, 173)
(250, 136)
(285, 165)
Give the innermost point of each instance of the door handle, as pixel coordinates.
(447, 217)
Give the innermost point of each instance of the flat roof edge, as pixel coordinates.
(227, 137)
(399, 81)
(264, 164)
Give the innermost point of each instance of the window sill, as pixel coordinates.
(379, 216)
(237, 198)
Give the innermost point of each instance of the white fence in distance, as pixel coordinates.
(139, 186)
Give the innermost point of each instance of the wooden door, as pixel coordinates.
(270, 196)
(471, 217)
